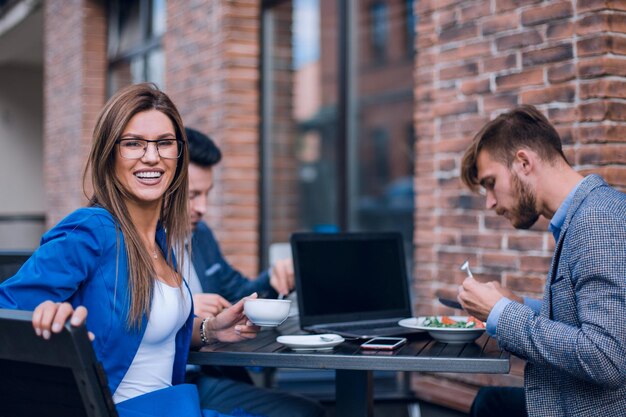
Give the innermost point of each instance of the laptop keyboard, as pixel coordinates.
(377, 325)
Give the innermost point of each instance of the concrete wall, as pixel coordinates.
(21, 157)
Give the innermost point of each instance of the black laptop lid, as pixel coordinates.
(346, 277)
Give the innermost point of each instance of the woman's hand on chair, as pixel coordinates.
(50, 317)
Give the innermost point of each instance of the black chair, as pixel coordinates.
(11, 262)
(60, 377)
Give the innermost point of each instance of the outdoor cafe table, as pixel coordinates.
(353, 366)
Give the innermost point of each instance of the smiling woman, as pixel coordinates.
(116, 260)
(147, 158)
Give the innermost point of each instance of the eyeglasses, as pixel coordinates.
(136, 148)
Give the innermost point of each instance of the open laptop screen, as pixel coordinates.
(347, 277)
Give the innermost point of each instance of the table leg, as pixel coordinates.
(354, 393)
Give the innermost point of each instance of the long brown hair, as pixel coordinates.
(110, 194)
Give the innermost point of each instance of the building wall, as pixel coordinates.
(74, 93)
(476, 59)
(21, 159)
(212, 54)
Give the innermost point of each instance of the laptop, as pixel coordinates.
(352, 284)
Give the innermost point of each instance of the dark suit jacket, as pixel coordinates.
(576, 346)
(215, 273)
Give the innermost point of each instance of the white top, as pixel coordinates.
(190, 274)
(152, 366)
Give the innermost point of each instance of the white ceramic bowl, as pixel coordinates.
(265, 312)
(445, 334)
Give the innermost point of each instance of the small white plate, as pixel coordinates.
(445, 334)
(311, 342)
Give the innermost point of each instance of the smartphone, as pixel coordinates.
(384, 343)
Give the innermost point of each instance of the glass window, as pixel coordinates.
(379, 29)
(410, 27)
(337, 139)
(135, 52)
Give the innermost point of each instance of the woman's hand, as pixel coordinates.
(231, 325)
(50, 317)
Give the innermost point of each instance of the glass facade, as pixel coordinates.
(337, 117)
(135, 53)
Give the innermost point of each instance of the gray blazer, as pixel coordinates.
(576, 347)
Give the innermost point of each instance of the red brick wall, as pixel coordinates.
(282, 141)
(212, 73)
(74, 91)
(476, 59)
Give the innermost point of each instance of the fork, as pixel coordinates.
(465, 267)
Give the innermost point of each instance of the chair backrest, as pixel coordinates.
(11, 262)
(56, 377)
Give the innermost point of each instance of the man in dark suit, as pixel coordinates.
(574, 340)
(215, 284)
(220, 283)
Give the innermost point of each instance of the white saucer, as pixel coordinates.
(311, 342)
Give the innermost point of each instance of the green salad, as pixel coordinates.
(447, 322)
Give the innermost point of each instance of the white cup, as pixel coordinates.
(266, 312)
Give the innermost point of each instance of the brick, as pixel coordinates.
(446, 19)
(561, 115)
(446, 164)
(458, 33)
(545, 14)
(525, 243)
(560, 93)
(601, 133)
(469, 87)
(566, 134)
(474, 10)
(601, 155)
(456, 108)
(465, 202)
(499, 23)
(539, 264)
(526, 78)
(500, 102)
(450, 145)
(467, 51)
(614, 175)
(523, 39)
(506, 5)
(459, 71)
(525, 283)
(601, 45)
(500, 63)
(494, 222)
(603, 88)
(583, 6)
(601, 66)
(601, 22)
(464, 125)
(455, 258)
(483, 241)
(548, 55)
(500, 261)
(603, 110)
(561, 72)
(559, 30)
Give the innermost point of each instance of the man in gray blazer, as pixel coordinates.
(574, 341)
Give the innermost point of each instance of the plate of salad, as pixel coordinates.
(447, 329)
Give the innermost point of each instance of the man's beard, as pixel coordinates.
(525, 214)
